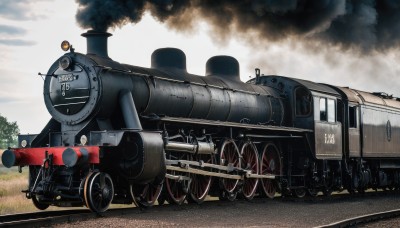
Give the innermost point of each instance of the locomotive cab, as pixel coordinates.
(311, 106)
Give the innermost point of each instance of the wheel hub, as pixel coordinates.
(272, 165)
(105, 192)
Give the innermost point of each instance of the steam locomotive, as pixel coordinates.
(127, 134)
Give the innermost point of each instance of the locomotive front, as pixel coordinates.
(78, 154)
(71, 89)
(74, 86)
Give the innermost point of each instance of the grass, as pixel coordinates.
(12, 200)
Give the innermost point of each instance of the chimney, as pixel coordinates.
(97, 43)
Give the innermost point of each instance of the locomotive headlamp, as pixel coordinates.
(24, 143)
(65, 62)
(83, 140)
(65, 45)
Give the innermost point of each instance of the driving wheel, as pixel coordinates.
(249, 162)
(230, 157)
(270, 164)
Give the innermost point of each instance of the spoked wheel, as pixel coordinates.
(146, 195)
(98, 191)
(200, 184)
(229, 156)
(177, 189)
(270, 164)
(39, 205)
(249, 162)
(299, 192)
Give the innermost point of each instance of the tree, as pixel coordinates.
(8, 133)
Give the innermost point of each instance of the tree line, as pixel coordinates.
(8, 133)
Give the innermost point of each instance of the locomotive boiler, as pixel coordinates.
(126, 134)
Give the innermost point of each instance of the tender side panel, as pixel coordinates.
(381, 132)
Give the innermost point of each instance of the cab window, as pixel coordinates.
(303, 102)
(353, 117)
(331, 111)
(322, 109)
(327, 110)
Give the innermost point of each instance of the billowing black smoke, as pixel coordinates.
(365, 25)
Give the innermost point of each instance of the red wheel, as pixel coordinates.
(249, 162)
(229, 155)
(200, 184)
(177, 189)
(146, 195)
(270, 163)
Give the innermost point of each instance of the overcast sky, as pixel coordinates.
(31, 33)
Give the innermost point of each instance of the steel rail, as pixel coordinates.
(37, 218)
(48, 218)
(351, 222)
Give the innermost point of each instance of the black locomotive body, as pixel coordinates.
(127, 134)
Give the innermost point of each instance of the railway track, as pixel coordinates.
(42, 218)
(48, 218)
(51, 218)
(358, 220)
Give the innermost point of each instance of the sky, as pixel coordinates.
(31, 33)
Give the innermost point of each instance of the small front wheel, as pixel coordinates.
(98, 191)
(39, 205)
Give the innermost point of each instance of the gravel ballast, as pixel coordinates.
(257, 213)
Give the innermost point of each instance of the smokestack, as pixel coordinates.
(97, 43)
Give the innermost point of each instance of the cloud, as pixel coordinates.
(20, 10)
(16, 42)
(11, 30)
(7, 99)
(11, 34)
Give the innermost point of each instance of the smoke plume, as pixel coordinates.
(365, 25)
